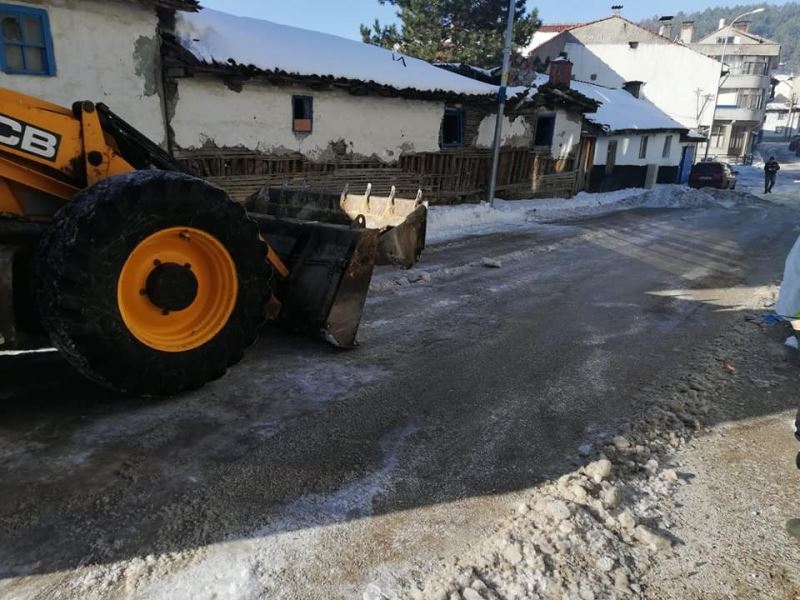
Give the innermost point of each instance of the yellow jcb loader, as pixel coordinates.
(152, 281)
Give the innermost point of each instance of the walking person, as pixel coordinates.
(771, 169)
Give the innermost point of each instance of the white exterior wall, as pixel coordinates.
(673, 74)
(105, 51)
(628, 150)
(566, 135)
(515, 132)
(260, 118)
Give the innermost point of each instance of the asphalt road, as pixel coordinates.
(310, 472)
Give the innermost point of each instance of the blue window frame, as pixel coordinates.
(26, 47)
(302, 114)
(453, 128)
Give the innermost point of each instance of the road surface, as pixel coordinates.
(309, 472)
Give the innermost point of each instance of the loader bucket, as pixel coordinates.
(330, 268)
(401, 222)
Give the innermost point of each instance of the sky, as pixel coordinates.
(342, 17)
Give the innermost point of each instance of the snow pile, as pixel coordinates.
(216, 37)
(620, 110)
(448, 222)
(788, 304)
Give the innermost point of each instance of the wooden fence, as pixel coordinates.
(447, 176)
(458, 175)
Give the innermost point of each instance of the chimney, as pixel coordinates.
(665, 29)
(560, 72)
(723, 23)
(742, 26)
(634, 88)
(687, 32)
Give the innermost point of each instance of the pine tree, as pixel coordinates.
(468, 31)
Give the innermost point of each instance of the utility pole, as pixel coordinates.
(501, 99)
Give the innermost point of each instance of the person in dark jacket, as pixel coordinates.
(771, 169)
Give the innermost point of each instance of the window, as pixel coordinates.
(27, 47)
(545, 128)
(593, 77)
(781, 116)
(643, 147)
(730, 40)
(633, 45)
(780, 129)
(752, 99)
(302, 114)
(667, 147)
(453, 128)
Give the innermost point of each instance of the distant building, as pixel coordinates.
(627, 141)
(782, 116)
(744, 89)
(614, 51)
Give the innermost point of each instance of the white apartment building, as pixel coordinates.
(745, 90)
(614, 51)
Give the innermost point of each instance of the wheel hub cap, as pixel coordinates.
(172, 287)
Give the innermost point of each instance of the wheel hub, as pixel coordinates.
(177, 289)
(171, 287)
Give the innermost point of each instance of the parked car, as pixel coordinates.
(712, 174)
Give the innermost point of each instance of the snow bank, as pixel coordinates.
(449, 222)
(216, 37)
(788, 304)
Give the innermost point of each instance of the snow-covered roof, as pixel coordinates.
(620, 110)
(778, 106)
(214, 37)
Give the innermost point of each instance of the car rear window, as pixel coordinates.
(707, 168)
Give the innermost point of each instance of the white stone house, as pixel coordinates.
(614, 51)
(634, 143)
(250, 83)
(240, 84)
(101, 50)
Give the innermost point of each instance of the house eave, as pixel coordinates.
(243, 73)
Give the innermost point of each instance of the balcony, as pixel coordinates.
(746, 81)
(734, 113)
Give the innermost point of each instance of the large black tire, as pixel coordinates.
(80, 258)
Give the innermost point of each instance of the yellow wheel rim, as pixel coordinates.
(177, 289)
